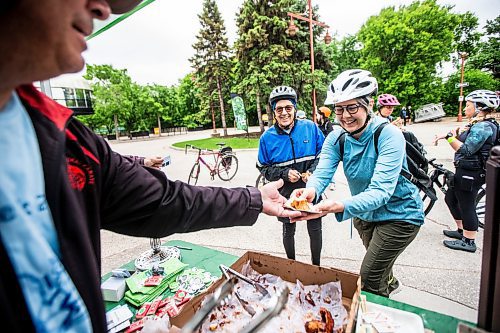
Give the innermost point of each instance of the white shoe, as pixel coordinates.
(397, 290)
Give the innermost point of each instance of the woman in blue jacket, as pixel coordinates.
(385, 206)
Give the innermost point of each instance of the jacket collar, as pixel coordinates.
(54, 111)
(279, 130)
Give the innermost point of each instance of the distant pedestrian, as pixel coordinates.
(301, 114)
(411, 115)
(403, 115)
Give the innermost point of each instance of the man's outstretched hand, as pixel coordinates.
(273, 201)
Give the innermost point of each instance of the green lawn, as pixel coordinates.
(211, 143)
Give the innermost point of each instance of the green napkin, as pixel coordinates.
(139, 294)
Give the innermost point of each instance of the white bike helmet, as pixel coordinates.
(282, 92)
(351, 84)
(487, 99)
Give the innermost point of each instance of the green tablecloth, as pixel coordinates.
(209, 260)
(199, 256)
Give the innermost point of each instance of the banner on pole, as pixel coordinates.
(240, 116)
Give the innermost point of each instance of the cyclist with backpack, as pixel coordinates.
(472, 147)
(385, 106)
(385, 206)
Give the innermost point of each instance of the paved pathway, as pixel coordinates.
(434, 276)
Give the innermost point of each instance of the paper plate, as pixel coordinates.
(406, 322)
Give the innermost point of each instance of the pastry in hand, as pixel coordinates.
(300, 204)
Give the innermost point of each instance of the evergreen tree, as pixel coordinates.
(211, 61)
(266, 56)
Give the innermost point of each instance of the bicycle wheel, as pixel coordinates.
(261, 181)
(193, 175)
(227, 167)
(428, 202)
(481, 206)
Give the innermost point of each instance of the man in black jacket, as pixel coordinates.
(52, 210)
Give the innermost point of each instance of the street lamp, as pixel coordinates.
(292, 31)
(292, 28)
(463, 56)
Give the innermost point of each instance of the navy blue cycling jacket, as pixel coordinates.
(280, 151)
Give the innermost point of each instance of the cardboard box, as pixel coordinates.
(289, 270)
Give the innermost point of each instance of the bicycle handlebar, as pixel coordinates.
(196, 148)
(437, 166)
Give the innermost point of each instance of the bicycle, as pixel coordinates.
(440, 178)
(261, 181)
(225, 163)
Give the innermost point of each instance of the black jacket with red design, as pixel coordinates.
(89, 187)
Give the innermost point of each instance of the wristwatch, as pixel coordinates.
(449, 135)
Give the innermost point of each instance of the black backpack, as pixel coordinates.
(495, 140)
(496, 130)
(418, 164)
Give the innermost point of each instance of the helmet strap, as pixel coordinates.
(476, 110)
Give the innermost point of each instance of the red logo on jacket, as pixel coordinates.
(79, 174)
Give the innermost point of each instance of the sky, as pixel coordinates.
(154, 44)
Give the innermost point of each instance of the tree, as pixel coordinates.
(106, 92)
(189, 103)
(402, 48)
(116, 97)
(476, 79)
(266, 56)
(211, 61)
(346, 54)
(161, 106)
(487, 56)
(466, 35)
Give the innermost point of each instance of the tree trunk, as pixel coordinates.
(159, 126)
(221, 102)
(116, 128)
(213, 117)
(269, 115)
(259, 112)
